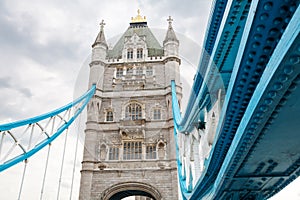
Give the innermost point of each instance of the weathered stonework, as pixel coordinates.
(129, 141)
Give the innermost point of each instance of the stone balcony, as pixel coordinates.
(132, 129)
(131, 81)
(128, 123)
(134, 80)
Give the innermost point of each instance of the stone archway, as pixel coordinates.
(122, 190)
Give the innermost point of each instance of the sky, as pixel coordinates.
(45, 48)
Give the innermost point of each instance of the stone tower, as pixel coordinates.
(129, 139)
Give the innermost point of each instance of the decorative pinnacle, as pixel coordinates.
(102, 24)
(138, 18)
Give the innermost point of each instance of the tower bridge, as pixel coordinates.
(237, 137)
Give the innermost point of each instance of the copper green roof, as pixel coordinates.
(154, 48)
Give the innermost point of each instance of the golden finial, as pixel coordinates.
(138, 18)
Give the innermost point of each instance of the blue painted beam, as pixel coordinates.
(217, 12)
(257, 49)
(278, 67)
(85, 98)
(208, 79)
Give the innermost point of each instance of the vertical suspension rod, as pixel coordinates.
(75, 157)
(48, 155)
(1, 141)
(63, 159)
(23, 178)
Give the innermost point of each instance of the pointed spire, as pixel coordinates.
(170, 36)
(100, 37)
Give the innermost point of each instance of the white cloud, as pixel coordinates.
(43, 47)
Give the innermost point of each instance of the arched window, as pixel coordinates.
(113, 153)
(109, 116)
(149, 71)
(156, 114)
(133, 111)
(129, 53)
(139, 71)
(139, 53)
(150, 152)
(132, 150)
(119, 72)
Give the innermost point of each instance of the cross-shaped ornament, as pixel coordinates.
(170, 20)
(102, 24)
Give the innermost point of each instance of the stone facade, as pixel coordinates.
(129, 139)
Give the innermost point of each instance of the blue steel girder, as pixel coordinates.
(215, 20)
(214, 24)
(263, 32)
(265, 155)
(226, 49)
(216, 64)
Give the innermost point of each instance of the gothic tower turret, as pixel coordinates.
(99, 54)
(171, 49)
(97, 68)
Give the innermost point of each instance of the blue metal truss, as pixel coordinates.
(81, 102)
